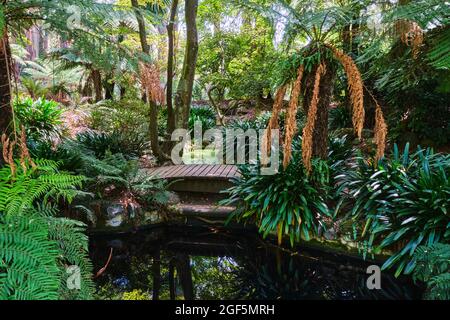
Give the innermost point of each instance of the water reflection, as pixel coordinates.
(180, 263)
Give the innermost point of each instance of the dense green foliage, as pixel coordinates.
(432, 267)
(291, 203)
(205, 115)
(76, 52)
(41, 118)
(34, 256)
(402, 202)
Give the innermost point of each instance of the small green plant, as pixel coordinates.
(124, 123)
(115, 142)
(205, 115)
(433, 268)
(41, 118)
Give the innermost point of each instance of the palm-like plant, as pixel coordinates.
(46, 78)
(313, 29)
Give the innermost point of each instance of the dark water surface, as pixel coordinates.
(207, 263)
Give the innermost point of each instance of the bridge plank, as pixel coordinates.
(193, 171)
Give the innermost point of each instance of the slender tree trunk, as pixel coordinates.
(183, 97)
(141, 25)
(320, 135)
(154, 134)
(98, 87)
(5, 89)
(170, 67)
(220, 118)
(153, 118)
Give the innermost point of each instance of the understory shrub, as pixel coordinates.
(41, 118)
(131, 145)
(290, 203)
(205, 115)
(115, 176)
(402, 203)
(110, 174)
(124, 122)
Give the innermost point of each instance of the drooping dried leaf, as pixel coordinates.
(273, 122)
(308, 131)
(291, 118)
(410, 34)
(355, 85)
(151, 83)
(380, 132)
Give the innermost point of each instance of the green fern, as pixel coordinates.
(36, 246)
(433, 268)
(28, 259)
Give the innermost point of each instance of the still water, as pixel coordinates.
(208, 263)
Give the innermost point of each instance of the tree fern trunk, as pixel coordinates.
(5, 93)
(320, 135)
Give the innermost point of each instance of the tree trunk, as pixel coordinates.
(98, 87)
(5, 90)
(153, 131)
(153, 112)
(183, 97)
(170, 67)
(108, 85)
(220, 118)
(141, 25)
(320, 135)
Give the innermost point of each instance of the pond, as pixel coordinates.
(209, 263)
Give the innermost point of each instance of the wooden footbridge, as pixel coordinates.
(202, 178)
(200, 188)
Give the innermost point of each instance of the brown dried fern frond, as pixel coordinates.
(273, 122)
(8, 153)
(380, 132)
(308, 131)
(5, 147)
(355, 85)
(24, 152)
(150, 80)
(410, 34)
(291, 118)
